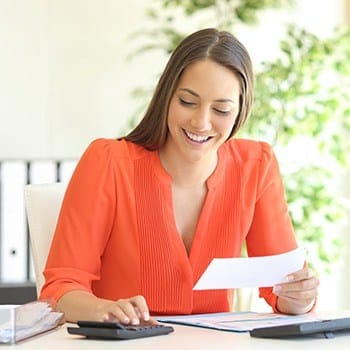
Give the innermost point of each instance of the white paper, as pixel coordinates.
(238, 321)
(27, 320)
(265, 271)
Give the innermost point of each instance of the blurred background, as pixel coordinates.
(72, 71)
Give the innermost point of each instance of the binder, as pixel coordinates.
(13, 223)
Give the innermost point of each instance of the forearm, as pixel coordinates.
(82, 305)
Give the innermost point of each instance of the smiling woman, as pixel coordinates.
(144, 215)
(202, 114)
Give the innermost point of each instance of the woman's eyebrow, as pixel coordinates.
(189, 91)
(196, 95)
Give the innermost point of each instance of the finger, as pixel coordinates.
(302, 285)
(304, 273)
(299, 295)
(141, 307)
(126, 308)
(152, 321)
(299, 303)
(116, 314)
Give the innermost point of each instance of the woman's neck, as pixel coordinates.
(187, 173)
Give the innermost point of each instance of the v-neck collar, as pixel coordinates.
(214, 179)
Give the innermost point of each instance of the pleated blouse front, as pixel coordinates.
(116, 234)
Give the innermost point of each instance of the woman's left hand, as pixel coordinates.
(298, 294)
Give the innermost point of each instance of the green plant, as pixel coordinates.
(223, 14)
(302, 104)
(162, 32)
(301, 107)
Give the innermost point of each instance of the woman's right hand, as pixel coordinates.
(133, 311)
(82, 305)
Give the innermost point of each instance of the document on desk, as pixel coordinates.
(237, 321)
(19, 322)
(264, 271)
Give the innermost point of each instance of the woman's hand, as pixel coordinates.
(298, 295)
(129, 311)
(82, 305)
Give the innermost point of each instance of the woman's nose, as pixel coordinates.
(201, 120)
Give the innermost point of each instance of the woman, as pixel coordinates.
(144, 215)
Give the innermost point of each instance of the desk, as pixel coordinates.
(183, 338)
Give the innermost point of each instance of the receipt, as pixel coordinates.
(264, 271)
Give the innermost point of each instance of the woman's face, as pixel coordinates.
(203, 110)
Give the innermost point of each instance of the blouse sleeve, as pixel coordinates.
(84, 224)
(271, 231)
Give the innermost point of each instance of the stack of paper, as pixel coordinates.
(24, 321)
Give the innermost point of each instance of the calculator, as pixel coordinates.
(116, 330)
(326, 328)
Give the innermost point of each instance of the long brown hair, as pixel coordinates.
(218, 46)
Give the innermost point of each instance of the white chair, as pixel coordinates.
(43, 203)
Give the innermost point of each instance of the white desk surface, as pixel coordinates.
(183, 338)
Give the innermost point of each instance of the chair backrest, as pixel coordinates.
(43, 203)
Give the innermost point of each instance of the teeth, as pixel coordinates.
(195, 137)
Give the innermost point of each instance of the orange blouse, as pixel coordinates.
(116, 235)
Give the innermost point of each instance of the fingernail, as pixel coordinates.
(135, 321)
(290, 278)
(146, 316)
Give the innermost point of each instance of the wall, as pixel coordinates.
(65, 73)
(66, 77)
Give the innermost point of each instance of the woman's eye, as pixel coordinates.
(186, 103)
(222, 112)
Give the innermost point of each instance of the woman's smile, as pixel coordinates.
(195, 137)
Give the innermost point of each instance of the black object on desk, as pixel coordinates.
(327, 328)
(115, 330)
